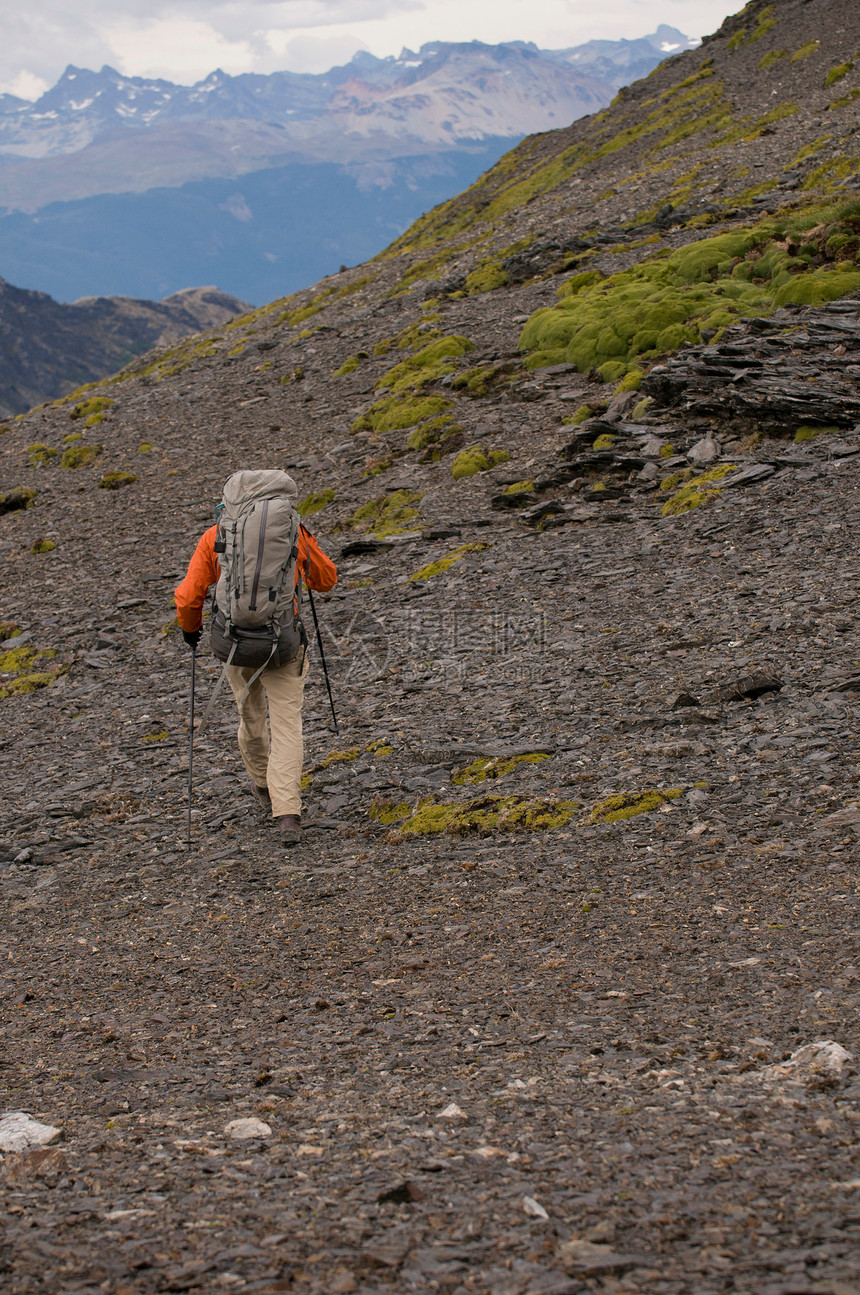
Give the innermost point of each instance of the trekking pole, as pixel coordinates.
(191, 740)
(335, 724)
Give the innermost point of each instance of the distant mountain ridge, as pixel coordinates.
(443, 94)
(48, 349)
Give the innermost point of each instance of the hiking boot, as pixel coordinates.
(290, 828)
(261, 794)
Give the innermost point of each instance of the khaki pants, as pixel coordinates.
(276, 765)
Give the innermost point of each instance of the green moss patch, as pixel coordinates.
(19, 663)
(27, 683)
(443, 564)
(470, 462)
(78, 455)
(519, 487)
(578, 283)
(808, 433)
(750, 128)
(482, 380)
(116, 480)
(379, 750)
(145, 447)
(485, 814)
(605, 441)
(43, 546)
(350, 365)
(396, 412)
(87, 408)
(340, 757)
(805, 50)
(41, 454)
(387, 514)
(628, 804)
(579, 416)
(831, 173)
(745, 36)
(17, 658)
(695, 489)
(486, 278)
(482, 769)
(837, 73)
(433, 361)
(315, 503)
(844, 100)
(387, 812)
(18, 499)
(665, 301)
(9, 630)
(436, 439)
(631, 381)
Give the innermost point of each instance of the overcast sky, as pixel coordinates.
(183, 40)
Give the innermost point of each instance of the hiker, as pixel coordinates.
(256, 626)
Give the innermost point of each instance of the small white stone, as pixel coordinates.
(248, 1128)
(825, 1056)
(534, 1209)
(452, 1112)
(19, 1131)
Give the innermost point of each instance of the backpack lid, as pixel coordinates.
(244, 487)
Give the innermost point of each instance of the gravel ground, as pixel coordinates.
(511, 1061)
(598, 1034)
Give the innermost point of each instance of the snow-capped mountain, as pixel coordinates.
(445, 92)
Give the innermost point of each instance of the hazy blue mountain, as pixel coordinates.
(260, 237)
(262, 184)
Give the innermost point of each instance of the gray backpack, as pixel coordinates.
(257, 614)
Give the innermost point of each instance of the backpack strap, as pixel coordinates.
(256, 675)
(218, 687)
(288, 563)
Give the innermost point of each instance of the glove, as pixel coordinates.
(192, 637)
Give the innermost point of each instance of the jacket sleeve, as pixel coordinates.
(203, 571)
(318, 571)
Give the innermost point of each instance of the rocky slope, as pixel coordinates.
(49, 348)
(560, 994)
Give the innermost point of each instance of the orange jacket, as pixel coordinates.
(318, 572)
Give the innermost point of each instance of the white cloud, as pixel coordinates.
(186, 39)
(178, 49)
(307, 52)
(26, 85)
